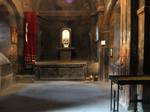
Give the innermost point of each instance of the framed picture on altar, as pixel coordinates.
(13, 34)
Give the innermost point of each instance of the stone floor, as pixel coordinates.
(57, 96)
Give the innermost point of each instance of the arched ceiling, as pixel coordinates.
(44, 5)
(66, 8)
(57, 5)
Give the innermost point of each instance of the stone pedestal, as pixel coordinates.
(65, 53)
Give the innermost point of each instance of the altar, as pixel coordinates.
(63, 66)
(61, 70)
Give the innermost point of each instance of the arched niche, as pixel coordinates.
(66, 37)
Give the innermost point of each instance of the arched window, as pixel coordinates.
(66, 37)
(97, 33)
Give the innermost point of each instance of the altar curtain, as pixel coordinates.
(30, 27)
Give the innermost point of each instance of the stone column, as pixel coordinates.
(100, 10)
(106, 35)
(133, 47)
(141, 31)
(125, 46)
(93, 36)
(144, 45)
(20, 46)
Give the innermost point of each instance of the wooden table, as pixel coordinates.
(126, 80)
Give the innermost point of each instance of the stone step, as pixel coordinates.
(60, 79)
(25, 78)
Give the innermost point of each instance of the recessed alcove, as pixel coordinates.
(52, 50)
(50, 39)
(52, 47)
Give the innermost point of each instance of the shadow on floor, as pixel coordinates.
(58, 97)
(15, 103)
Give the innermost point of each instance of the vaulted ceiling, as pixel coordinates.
(66, 5)
(57, 5)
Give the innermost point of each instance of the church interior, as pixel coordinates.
(74, 55)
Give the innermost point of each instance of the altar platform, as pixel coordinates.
(61, 70)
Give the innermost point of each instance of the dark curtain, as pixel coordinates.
(30, 27)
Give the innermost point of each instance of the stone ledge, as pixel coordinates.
(61, 70)
(62, 79)
(25, 78)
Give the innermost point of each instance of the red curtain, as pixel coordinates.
(30, 27)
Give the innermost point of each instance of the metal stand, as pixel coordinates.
(114, 102)
(135, 101)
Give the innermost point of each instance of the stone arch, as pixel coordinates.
(12, 11)
(108, 12)
(13, 25)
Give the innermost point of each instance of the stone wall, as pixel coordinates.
(8, 32)
(50, 38)
(4, 32)
(6, 74)
(116, 32)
